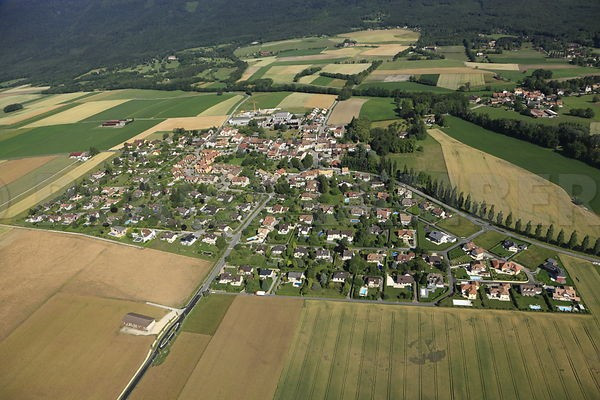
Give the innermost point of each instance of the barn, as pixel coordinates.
(138, 321)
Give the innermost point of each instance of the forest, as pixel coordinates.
(53, 40)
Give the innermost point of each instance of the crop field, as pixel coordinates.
(162, 108)
(298, 102)
(70, 137)
(493, 66)
(404, 85)
(264, 100)
(402, 64)
(587, 277)
(348, 69)
(11, 192)
(284, 73)
(288, 45)
(40, 106)
(12, 170)
(454, 81)
(345, 110)
(396, 35)
(379, 109)
(76, 114)
(326, 81)
(69, 342)
(6, 99)
(254, 337)
(345, 350)
(431, 159)
(513, 189)
(385, 74)
(224, 107)
(38, 264)
(563, 171)
(384, 50)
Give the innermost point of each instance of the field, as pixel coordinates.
(513, 189)
(493, 66)
(371, 351)
(489, 239)
(404, 86)
(431, 159)
(224, 107)
(384, 50)
(348, 69)
(344, 111)
(458, 225)
(454, 81)
(264, 100)
(38, 264)
(208, 314)
(397, 35)
(565, 172)
(245, 356)
(586, 275)
(499, 112)
(78, 113)
(300, 102)
(379, 109)
(12, 170)
(70, 342)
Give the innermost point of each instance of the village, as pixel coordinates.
(324, 231)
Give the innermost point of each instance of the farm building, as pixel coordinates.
(116, 123)
(138, 321)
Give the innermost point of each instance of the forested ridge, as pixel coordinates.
(56, 39)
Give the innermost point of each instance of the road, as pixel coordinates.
(169, 334)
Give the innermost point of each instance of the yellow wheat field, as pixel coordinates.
(385, 50)
(348, 69)
(345, 110)
(307, 100)
(77, 113)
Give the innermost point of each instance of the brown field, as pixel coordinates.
(344, 111)
(349, 69)
(24, 89)
(12, 170)
(385, 50)
(382, 35)
(494, 66)
(513, 189)
(55, 186)
(284, 73)
(71, 348)
(38, 264)
(166, 380)
(77, 113)
(246, 355)
(307, 100)
(222, 108)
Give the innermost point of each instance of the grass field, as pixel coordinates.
(493, 66)
(534, 256)
(344, 111)
(401, 64)
(513, 189)
(69, 342)
(563, 171)
(383, 35)
(405, 86)
(264, 100)
(208, 314)
(489, 239)
(430, 160)
(379, 109)
(459, 226)
(499, 112)
(254, 338)
(286, 46)
(68, 138)
(224, 107)
(454, 81)
(371, 351)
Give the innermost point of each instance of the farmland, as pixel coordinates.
(301, 102)
(431, 159)
(543, 162)
(344, 111)
(379, 109)
(512, 189)
(342, 350)
(76, 114)
(13, 170)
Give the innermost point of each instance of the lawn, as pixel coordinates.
(534, 256)
(163, 108)
(541, 161)
(459, 226)
(489, 239)
(425, 244)
(207, 314)
(378, 109)
(68, 138)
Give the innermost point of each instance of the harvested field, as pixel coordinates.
(382, 35)
(493, 66)
(345, 110)
(15, 98)
(71, 348)
(25, 89)
(25, 114)
(12, 170)
(385, 50)
(223, 107)
(348, 69)
(78, 265)
(345, 350)
(55, 186)
(297, 101)
(77, 113)
(454, 81)
(166, 380)
(245, 357)
(513, 189)
(253, 67)
(284, 73)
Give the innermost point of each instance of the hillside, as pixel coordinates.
(57, 39)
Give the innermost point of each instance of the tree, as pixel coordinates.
(597, 247)
(13, 107)
(307, 161)
(491, 213)
(550, 233)
(517, 225)
(585, 244)
(528, 228)
(93, 151)
(573, 241)
(509, 219)
(468, 203)
(500, 218)
(538, 230)
(560, 239)
(221, 243)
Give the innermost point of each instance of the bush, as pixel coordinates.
(13, 107)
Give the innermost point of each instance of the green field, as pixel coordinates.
(145, 94)
(361, 351)
(459, 226)
(264, 100)
(207, 315)
(499, 112)
(430, 160)
(287, 47)
(408, 64)
(404, 86)
(161, 108)
(68, 138)
(379, 109)
(565, 172)
(534, 256)
(489, 239)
